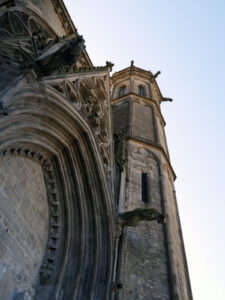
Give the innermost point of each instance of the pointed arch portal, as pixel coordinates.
(41, 126)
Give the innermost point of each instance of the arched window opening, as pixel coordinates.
(141, 90)
(122, 91)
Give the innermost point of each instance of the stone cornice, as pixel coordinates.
(131, 70)
(144, 99)
(80, 74)
(156, 147)
(127, 73)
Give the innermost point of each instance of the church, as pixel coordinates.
(88, 208)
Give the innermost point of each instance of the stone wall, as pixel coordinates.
(177, 256)
(23, 226)
(121, 116)
(144, 272)
(162, 136)
(142, 121)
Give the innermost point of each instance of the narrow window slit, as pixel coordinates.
(144, 187)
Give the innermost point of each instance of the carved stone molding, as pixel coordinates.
(85, 68)
(120, 149)
(55, 214)
(89, 96)
(16, 23)
(61, 12)
(142, 152)
(23, 38)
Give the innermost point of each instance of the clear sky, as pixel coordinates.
(185, 40)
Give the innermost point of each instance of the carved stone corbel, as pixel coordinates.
(134, 217)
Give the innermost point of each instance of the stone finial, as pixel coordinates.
(109, 65)
(132, 67)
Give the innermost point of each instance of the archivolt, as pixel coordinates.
(44, 124)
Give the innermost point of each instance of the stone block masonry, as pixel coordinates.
(23, 225)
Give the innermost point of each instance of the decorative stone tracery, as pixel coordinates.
(23, 38)
(60, 10)
(69, 119)
(142, 157)
(88, 95)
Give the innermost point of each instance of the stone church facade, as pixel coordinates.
(88, 208)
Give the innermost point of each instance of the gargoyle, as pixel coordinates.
(164, 99)
(134, 217)
(61, 53)
(156, 74)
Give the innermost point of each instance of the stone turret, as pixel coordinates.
(151, 258)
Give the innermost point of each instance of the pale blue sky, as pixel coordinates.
(186, 41)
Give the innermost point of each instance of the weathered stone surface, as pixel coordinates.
(23, 225)
(143, 267)
(151, 263)
(143, 122)
(121, 116)
(63, 122)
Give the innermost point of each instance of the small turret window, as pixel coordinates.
(122, 91)
(144, 187)
(141, 90)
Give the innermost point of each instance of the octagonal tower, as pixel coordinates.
(151, 260)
